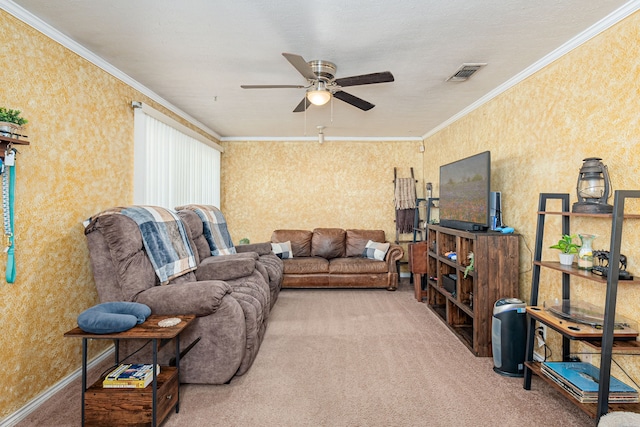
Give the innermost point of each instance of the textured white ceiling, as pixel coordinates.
(196, 53)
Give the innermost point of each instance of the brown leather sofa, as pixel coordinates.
(333, 258)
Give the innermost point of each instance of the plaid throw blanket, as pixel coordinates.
(164, 238)
(215, 229)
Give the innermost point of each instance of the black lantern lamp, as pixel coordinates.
(593, 187)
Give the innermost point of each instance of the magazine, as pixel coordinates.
(130, 376)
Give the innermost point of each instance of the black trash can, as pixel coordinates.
(508, 336)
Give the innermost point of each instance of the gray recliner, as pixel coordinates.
(229, 296)
(266, 258)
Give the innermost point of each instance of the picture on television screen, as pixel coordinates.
(465, 190)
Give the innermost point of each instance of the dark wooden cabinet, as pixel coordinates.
(418, 257)
(418, 267)
(465, 304)
(131, 406)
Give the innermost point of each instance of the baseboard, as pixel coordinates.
(23, 412)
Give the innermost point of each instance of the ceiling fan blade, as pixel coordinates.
(365, 79)
(304, 104)
(301, 65)
(353, 100)
(272, 86)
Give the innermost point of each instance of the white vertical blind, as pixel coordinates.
(172, 168)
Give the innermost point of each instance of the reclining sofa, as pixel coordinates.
(337, 258)
(231, 295)
(192, 215)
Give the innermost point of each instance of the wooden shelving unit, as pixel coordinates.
(467, 308)
(6, 141)
(577, 331)
(605, 340)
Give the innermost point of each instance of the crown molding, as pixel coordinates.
(46, 29)
(315, 138)
(49, 31)
(600, 26)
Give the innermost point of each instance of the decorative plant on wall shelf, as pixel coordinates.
(11, 122)
(567, 249)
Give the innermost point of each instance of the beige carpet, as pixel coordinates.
(356, 358)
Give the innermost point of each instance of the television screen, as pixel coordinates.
(465, 190)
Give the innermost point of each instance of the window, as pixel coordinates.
(173, 165)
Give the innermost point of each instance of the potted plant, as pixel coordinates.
(567, 249)
(10, 121)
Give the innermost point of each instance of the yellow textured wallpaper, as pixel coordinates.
(583, 105)
(79, 162)
(268, 185)
(81, 155)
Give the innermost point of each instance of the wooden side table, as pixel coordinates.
(418, 267)
(122, 406)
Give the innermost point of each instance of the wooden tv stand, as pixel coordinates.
(468, 308)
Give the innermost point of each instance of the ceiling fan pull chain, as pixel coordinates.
(331, 118)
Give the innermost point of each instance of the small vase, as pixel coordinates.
(585, 255)
(566, 259)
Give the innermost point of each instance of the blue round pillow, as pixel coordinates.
(112, 317)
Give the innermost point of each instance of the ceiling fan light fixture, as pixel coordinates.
(319, 95)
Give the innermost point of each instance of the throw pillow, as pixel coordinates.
(282, 250)
(375, 250)
(300, 241)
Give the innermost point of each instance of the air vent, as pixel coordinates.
(465, 71)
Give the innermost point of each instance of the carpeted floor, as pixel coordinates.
(356, 358)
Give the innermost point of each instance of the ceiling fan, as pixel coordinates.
(322, 84)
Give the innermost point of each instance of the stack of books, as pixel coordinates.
(581, 381)
(130, 376)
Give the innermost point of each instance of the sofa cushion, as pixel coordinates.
(228, 267)
(124, 253)
(282, 250)
(357, 240)
(357, 266)
(375, 250)
(306, 265)
(215, 228)
(300, 241)
(262, 248)
(195, 230)
(328, 242)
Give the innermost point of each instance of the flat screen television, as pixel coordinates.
(465, 191)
